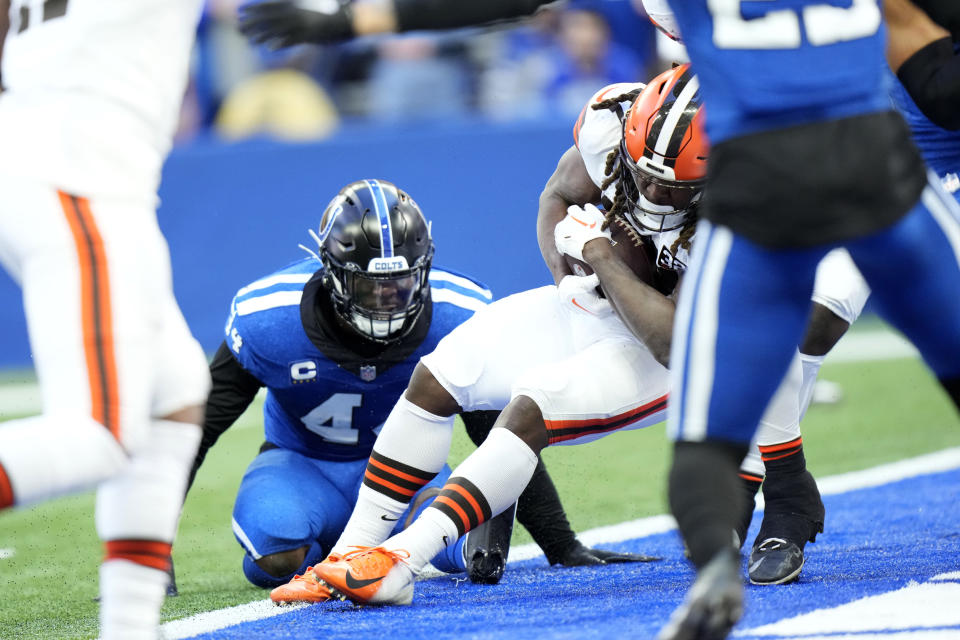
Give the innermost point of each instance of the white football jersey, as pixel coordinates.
(94, 89)
(598, 132)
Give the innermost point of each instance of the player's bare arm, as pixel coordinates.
(646, 312)
(569, 184)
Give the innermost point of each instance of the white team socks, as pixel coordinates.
(143, 501)
(411, 448)
(415, 437)
(130, 599)
(811, 367)
(494, 476)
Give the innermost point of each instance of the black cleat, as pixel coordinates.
(775, 561)
(712, 606)
(793, 516)
(485, 548)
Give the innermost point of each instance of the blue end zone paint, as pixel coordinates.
(877, 540)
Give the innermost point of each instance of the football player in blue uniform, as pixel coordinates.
(334, 338)
(807, 156)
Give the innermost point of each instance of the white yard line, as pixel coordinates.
(926, 464)
(920, 610)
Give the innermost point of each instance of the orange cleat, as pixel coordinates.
(305, 588)
(369, 575)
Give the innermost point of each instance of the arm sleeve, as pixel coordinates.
(932, 78)
(234, 388)
(450, 14)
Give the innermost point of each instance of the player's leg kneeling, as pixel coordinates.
(608, 386)
(288, 509)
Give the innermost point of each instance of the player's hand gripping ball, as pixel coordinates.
(580, 226)
(628, 245)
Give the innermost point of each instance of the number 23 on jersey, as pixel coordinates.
(753, 24)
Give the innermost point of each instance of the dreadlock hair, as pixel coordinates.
(616, 172)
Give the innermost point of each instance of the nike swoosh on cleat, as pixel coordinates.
(756, 564)
(353, 583)
(389, 519)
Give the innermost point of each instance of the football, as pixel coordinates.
(630, 247)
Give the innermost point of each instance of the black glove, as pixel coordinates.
(284, 23)
(577, 555)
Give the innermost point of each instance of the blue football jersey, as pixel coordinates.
(940, 148)
(768, 64)
(315, 405)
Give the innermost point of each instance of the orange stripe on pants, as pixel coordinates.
(6, 489)
(96, 312)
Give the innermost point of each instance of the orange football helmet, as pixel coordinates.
(665, 150)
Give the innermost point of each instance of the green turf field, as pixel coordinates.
(891, 409)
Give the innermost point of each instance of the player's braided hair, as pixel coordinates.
(616, 172)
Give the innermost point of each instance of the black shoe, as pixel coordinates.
(775, 561)
(793, 515)
(485, 548)
(712, 606)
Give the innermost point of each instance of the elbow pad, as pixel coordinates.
(932, 78)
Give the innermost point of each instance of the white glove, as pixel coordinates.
(581, 293)
(581, 225)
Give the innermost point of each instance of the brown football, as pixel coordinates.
(630, 247)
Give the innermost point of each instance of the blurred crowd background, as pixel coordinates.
(543, 68)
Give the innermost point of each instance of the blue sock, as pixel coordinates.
(450, 560)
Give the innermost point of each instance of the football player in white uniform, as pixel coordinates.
(564, 368)
(93, 90)
(642, 154)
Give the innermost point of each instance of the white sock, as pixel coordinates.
(143, 501)
(410, 450)
(415, 437)
(489, 480)
(373, 518)
(130, 599)
(811, 367)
